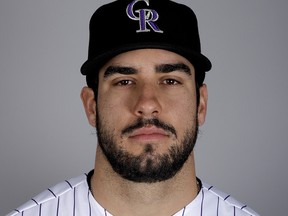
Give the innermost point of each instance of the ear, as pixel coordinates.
(202, 107)
(89, 103)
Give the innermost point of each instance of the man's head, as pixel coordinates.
(145, 68)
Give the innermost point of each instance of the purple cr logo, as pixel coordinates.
(146, 17)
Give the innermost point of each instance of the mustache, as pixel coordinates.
(140, 123)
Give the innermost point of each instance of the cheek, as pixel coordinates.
(184, 103)
(182, 111)
(119, 101)
(111, 109)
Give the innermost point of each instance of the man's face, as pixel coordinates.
(147, 116)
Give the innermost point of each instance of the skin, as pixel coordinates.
(145, 93)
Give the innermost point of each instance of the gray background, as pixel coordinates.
(45, 137)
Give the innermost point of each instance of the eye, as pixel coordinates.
(171, 82)
(123, 83)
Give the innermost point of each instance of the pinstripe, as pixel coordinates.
(73, 195)
(58, 204)
(68, 183)
(40, 209)
(22, 213)
(35, 201)
(52, 192)
(89, 204)
(234, 211)
(226, 197)
(217, 206)
(183, 213)
(202, 202)
(105, 212)
(243, 207)
(74, 202)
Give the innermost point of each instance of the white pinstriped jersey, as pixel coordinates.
(73, 197)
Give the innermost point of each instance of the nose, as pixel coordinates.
(147, 103)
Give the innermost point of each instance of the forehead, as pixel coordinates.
(146, 58)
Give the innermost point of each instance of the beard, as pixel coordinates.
(142, 168)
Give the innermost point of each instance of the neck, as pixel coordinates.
(122, 197)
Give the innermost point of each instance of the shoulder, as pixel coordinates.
(49, 201)
(224, 203)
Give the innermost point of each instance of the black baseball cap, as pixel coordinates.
(126, 25)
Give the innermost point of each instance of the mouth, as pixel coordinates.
(149, 128)
(148, 133)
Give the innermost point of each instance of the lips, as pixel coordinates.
(148, 133)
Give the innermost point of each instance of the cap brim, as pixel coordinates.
(198, 60)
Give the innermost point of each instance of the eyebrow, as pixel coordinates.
(168, 68)
(111, 70)
(162, 68)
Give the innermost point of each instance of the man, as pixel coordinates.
(146, 98)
